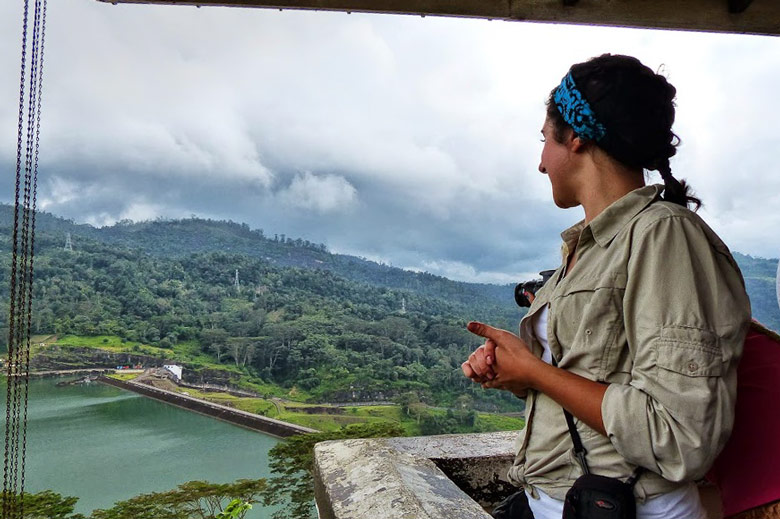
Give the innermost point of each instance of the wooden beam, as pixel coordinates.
(763, 16)
(738, 6)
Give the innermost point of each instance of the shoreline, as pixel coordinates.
(252, 421)
(64, 372)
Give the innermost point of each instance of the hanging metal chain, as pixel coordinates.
(31, 270)
(21, 303)
(21, 280)
(10, 413)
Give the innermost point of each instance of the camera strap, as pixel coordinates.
(579, 449)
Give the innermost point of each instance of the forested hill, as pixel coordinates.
(336, 327)
(761, 282)
(180, 238)
(346, 329)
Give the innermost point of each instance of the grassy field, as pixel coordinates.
(110, 343)
(184, 351)
(123, 376)
(187, 352)
(393, 413)
(296, 412)
(497, 422)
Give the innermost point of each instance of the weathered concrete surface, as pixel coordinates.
(476, 463)
(228, 414)
(458, 446)
(430, 477)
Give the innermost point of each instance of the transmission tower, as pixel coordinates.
(236, 283)
(403, 305)
(68, 243)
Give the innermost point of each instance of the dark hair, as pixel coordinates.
(636, 106)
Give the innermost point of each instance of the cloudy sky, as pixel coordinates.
(414, 141)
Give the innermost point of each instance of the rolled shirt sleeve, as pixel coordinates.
(686, 314)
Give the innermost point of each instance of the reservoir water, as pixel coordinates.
(102, 445)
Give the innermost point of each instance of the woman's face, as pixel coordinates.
(556, 163)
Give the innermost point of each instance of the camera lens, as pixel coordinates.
(520, 298)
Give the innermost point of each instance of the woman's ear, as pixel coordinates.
(577, 145)
(574, 142)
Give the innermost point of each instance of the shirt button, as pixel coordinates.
(692, 366)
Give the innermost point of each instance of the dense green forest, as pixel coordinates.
(761, 282)
(334, 327)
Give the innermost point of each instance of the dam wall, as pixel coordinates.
(264, 424)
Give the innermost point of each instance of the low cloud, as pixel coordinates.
(322, 194)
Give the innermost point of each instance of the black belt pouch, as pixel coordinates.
(514, 507)
(599, 497)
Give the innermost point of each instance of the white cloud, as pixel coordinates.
(138, 212)
(323, 194)
(62, 192)
(460, 271)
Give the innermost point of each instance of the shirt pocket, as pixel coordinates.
(589, 322)
(689, 364)
(689, 360)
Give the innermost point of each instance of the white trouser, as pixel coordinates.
(683, 503)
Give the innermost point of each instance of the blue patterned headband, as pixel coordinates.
(576, 111)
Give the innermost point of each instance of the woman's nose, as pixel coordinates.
(541, 169)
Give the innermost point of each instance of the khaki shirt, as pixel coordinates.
(656, 308)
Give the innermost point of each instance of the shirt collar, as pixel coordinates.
(612, 219)
(570, 237)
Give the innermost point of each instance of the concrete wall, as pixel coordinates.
(422, 478)
(228, 414)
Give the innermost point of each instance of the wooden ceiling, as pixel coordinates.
(732, 16)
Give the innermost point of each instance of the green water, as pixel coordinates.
(103, 444)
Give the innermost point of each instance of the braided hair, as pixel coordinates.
(636, 106)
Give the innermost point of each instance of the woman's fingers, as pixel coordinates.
(484, 330)
(479, 363)
(490, 352)
(495, 337)
(466, 367)
(504, 362)
(471, 374)
(477, 367)
(482, 365)
(489, 384)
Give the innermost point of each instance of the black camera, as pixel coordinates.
(530, 286)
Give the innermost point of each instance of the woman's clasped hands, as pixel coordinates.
(504, 361)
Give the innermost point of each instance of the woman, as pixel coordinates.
(638, 332)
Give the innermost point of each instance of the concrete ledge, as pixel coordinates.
(70, 372)
(432, 477)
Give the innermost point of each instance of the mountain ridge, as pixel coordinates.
(181, 237)
(195, 235)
